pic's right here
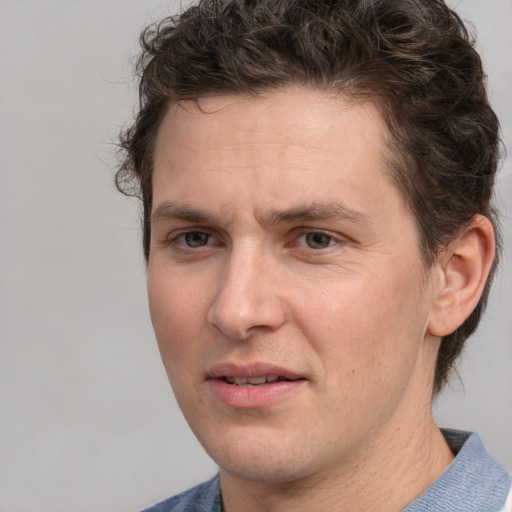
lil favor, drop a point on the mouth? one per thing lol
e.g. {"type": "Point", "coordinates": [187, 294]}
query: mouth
{"type": "Point", "coordinates": [255, 381]}
{"type": "Point", "coordinates": [256, 374]}
{"type": "Point", "coordinates": [253, 386]}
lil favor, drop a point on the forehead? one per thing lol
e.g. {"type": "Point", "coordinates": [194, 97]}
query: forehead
{"type": "Point", "coordinates": [292, 116]}
{"type": "Point", "coordinates": [302, 141]}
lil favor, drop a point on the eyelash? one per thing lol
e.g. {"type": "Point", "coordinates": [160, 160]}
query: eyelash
{"type": "Point", "coordinates": [179, 240]}
{"type": "Point", "coordinates": [184, 246]}
{"type": "Point", "coordinates": [332, 240]}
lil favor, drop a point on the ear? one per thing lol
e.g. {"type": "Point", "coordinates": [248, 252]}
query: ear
{"type": "Point", "coordinates": [461, 271]}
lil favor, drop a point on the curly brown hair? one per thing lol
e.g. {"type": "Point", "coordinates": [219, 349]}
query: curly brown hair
{"type": "Point", "coordinates": [414, 59]}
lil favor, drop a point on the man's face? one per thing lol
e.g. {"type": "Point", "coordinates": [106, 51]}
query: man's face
{"type": "Point", "coordinates": [286, 284]}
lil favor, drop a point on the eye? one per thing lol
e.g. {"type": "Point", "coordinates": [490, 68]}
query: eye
{"type": "Point", "coordinates": [316, 240]}
{"type": "Point", "coordinates": [194, 239]}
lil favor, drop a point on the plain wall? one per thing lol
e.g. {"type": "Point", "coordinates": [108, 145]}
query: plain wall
{"type": "Point", "coordinates": [87, 418]}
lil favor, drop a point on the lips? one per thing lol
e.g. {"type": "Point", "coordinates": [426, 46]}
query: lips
{"type": "Point", "coordinates": [226, 370]}
{"type": "Point", "coordinates": [254, 381]}
{"type": "Point", "coordinates": [253, 386]}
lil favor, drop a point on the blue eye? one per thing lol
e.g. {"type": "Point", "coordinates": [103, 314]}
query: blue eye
{"type": "Point", "coordinates": [194, 239]}
{"type": "Point", "coordinates": [318, 240]}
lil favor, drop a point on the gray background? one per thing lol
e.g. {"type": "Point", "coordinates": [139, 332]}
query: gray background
{"type": "Point", "coordinates": [87, 419]}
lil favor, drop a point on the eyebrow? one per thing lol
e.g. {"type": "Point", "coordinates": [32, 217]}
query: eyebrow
{"type": "Point", "coordinates": [173, 211]}
{"type": "Point", "coordinates": [316, 211]}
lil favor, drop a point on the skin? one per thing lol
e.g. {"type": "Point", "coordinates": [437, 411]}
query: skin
{"type": "Point", "coordinates": [278, 238]}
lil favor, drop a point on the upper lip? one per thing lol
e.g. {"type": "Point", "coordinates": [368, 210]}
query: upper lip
{"type": "Point", "coordinates": [224, 370]}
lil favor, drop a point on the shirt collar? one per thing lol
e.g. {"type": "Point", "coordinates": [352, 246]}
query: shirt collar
{"type": "Point", "coordinates": [473, 481]}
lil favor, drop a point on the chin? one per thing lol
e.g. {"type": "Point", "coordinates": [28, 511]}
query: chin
{"type": "Point", "coordinates": [268, 462]}
{"type": "Point", "coordinates": [270, 472]}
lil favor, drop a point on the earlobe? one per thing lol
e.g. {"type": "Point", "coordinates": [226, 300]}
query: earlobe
{"type": "Point", "coordinates": [462, 271]}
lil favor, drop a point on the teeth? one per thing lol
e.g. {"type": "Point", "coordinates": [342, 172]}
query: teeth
{"type": "Point", "coordinates": [257, 380]}
{"type": "Point", "coordinates": [252, 381]}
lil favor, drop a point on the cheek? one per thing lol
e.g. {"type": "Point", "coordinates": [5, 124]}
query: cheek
{"type": "Point", "coordinates": [368, 349]}
{"type": "Point", "coordinates": [360, 327]}
{"type": "Point", "coordinates": [177, 314]}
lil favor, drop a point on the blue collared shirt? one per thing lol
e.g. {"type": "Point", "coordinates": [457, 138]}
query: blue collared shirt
{"type": "Point", "coordinates": [474, 482]}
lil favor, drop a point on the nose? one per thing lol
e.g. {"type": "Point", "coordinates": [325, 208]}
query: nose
{"type": "Point", "coordinates": [247, 298]}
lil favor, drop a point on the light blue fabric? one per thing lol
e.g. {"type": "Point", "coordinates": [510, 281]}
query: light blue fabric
{"type": "Point", "coordinates": [205, 497]}
{"type": "Point", "coordinates": [474, 482]}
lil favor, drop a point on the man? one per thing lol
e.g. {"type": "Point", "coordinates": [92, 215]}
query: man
{"type": "Point", "coordinates": [317, 181]}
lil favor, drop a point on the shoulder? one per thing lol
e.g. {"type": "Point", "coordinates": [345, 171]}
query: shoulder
{"type": "Point", "coordinates": [205, 497]}
{"type": "Point", "coordinates": [474, 480]}
{"type": "Point", "coordinates": [508, 503]}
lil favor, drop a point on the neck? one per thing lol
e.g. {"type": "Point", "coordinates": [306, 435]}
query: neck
{"type": "Point", "coordinates": [399, 464]}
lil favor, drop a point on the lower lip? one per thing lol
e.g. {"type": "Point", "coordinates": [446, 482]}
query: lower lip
{"type": "Point", "coordinates": [254, 397]}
